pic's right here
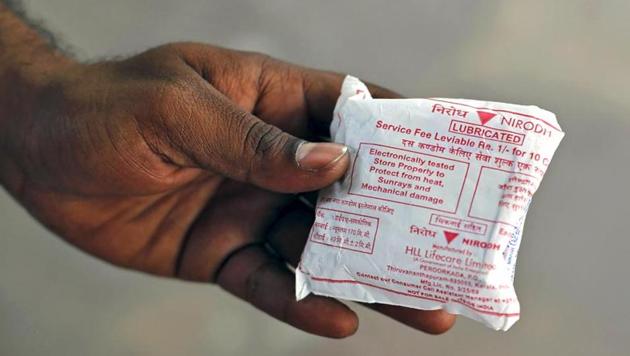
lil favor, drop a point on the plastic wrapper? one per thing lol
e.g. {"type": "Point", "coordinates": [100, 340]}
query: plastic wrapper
{"type": "Point", "coordinates": [431, 211]}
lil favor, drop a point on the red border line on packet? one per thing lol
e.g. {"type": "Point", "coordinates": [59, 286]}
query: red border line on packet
{"type": "Point", "coordinates": [400, 202]}
{"type": "Point", "coordinates": [499, 110]}
{"type": "Point", "coordinates": [350, 281]}
{"type": "Point", "coordinates": [472, 200]}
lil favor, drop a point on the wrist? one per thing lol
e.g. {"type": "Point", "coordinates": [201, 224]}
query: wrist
{"type": "Point", "coordinates": [27, 67]}
{"type": "Point", "coordinates": [27, 62]}
{"type": "Point", "coordinates": [25, 94]}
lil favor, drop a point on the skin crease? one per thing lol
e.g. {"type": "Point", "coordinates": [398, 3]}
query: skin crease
{"type": "Point", "coordinates": [178, 162]}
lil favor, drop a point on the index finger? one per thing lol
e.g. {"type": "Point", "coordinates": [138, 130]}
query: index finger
{"type": "Point", "coordinates": [321, 90]}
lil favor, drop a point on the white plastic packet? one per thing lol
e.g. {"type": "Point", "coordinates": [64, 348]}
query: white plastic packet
{"type": "Point", "coordinates": [431, 211]}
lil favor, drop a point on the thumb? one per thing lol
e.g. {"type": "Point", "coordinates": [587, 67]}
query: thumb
{"type": "Point", "coordinates": [273, 159]}
{"type": "Point", "coordinates": [245, 148]}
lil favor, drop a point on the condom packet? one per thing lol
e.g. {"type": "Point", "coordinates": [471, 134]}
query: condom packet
{"type": "Point", "coordinates": [431, 211]}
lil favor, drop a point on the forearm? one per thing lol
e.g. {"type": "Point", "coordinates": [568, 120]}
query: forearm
{"type": "Point", "coordinates": [26, 58]}
{"type": "Point", "coordinates": [27, 62]}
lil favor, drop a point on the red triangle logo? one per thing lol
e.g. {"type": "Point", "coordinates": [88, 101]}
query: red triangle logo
{"type": "Point", "coordinates": [485, 116]}
{"type": "Point", "coordinates": [450, 236]}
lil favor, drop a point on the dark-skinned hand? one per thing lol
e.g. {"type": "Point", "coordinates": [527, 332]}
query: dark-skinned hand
{"type": "Point", "coordinates": [184, 162]}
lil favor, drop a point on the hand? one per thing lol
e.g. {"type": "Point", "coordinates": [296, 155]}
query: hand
{"type": "Point", "coordinates": [180, 162]}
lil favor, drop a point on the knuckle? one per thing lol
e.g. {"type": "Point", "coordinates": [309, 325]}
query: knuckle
{"type": "Point", "coordinates": [254, 57]}
{"type": "Point", "coordinates": [262, 59]}
{"type": "Point", "coordinates": [263, 142]}
{"type": "Point", "coordinates": [264, 139]}
{"type": "Point", "coordinates": [171, 47]}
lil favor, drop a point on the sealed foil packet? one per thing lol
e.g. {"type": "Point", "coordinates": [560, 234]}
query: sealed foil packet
{"type": "Point", "coordinates": [431, 211]}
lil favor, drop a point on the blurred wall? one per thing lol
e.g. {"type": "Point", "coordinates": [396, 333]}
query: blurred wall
{"type": "Point", "coordinates": [571, 57]}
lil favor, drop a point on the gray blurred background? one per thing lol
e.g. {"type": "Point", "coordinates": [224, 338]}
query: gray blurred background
{"type": "Point", "coordinates": [571, 57]}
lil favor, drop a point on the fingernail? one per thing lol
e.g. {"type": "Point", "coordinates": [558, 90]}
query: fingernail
{"type": "Point", "coordinates": [312, 156]}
